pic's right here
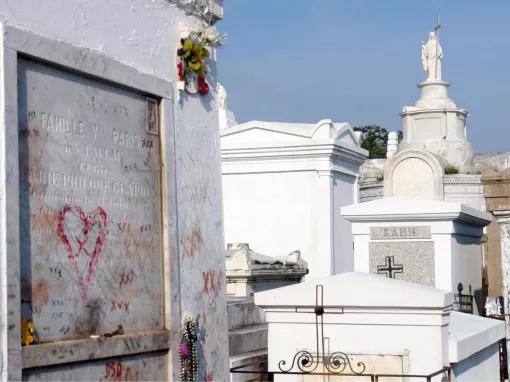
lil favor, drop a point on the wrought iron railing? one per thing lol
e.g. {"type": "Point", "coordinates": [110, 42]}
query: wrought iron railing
{"type": "Point", "coordinates": [267, 375]}
{"type": "Point", "coordinates": [463, 302]}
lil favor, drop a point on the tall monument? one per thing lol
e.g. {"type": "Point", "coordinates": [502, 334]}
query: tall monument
{"type": "Point", "coordinates": [435, 123]}
{"type": "Point", "coordinates": [434, 134]}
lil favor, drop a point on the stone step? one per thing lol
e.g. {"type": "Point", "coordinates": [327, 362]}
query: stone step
{"type": "Point", "coordinates": [247, 339]}
{"type": "Point", "coordinates": [243, 312]}
{"type": "Point", "coordinates": [257, 361]}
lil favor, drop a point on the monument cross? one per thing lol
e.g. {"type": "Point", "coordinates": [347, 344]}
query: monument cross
{"type": "Point", "coordinates": [390, 268]}
{"type": "Point", "coordinates": [436, 30]}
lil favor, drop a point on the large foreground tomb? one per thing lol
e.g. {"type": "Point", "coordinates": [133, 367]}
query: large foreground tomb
{"type": "Point", "coordinates": [105, 245]}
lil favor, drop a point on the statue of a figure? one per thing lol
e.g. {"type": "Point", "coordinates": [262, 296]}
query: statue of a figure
{"type": "Point", "coordinates": [431, 56]}
{"type": "Point", "coordinates": [222, 96]}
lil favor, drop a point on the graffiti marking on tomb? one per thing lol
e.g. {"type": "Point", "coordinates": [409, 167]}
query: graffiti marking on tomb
{"type": "Point", "coordinates": [82, 234]}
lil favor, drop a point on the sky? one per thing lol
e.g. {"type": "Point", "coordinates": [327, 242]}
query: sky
{"type": "Point", "coordinates": [358, 61]}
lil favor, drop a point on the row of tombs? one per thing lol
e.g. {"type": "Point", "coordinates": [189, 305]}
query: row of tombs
{"type": "Point", "coordinates": [109, 258]}
{"type": "Point", "coordinates": [397, 265]}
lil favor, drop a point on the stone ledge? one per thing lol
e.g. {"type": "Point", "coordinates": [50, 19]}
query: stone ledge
{"type": "Point", "coordinates": [463, 179]}
{"type": "Point", "coordinates": [85, 349]}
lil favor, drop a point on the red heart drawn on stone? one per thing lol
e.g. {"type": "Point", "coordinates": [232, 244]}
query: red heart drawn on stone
{"type": "Point", "coordinates": [83, 236]}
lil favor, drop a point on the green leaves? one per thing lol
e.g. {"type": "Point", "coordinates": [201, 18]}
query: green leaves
{"type": "Point", "coordinates": [374, 138]}
{"type": "Point", "coordinates": [188, 44]}
{"type": "Point", "coordinates": [194, 53]}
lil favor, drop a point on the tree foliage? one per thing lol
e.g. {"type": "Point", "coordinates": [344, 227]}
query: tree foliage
{"type": "Point", "coordinates": [374, 138]}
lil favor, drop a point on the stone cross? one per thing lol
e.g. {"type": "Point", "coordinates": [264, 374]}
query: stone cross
{"type": "Point", "coordinates": [390, 268]}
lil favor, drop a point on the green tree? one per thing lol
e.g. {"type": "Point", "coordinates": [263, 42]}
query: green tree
{"type": "Point", "coordinates": [374, 138]}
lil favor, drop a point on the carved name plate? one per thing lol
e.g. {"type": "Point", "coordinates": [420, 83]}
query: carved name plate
{"type": "Point", "coordinates": [400, 232]}
{"type": "Point", "coordinates": [414, 260]}
{"type": "Point", "coordinates": [90, 206]}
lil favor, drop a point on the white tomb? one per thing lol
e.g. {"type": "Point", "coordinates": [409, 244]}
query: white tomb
{"type": "Point", "coordinates": [390, 326]}
{"type": "Point", "coordinates": [430, 242]}
{"type": "Point", "coordinates": [105, 177]}
{"type": "Point", "coordinates": [248, 271]}
{"type": "Point", "coordinates": [283, 186]}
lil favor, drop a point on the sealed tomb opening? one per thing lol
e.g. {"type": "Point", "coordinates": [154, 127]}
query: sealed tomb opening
{"type": "Point", "coordinates": [90, 204]}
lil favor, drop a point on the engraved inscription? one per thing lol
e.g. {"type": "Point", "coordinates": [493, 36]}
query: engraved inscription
{"type": "Point", "coordinates": [401, 232]}
{"type": "Point", "coordinates": [89, 203]}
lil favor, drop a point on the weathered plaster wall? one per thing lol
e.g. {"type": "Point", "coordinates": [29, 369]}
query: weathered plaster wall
{"type": "Point", "coordinates": [250, 202]}
{"type": "Point", "coordinates": [144, 35]}
{"type": "Point", "coordinates": [140, 33]}
{"type": "Point", "coordinates": [497, 195]}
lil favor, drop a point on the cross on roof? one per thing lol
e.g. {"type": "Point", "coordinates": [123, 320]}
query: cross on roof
{"type": "Point", "coordinates": [390, 268]}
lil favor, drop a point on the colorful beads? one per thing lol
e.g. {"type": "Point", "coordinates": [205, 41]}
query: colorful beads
{"type": "Point", "coordinates": [188, 349]}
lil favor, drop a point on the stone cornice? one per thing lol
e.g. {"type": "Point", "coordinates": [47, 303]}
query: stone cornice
{"type": "Point", "coordinates": [415, 111]}
{"type": "Point", "coordinates": [462, 179]}
{"type": "Point", "coordinates": [291, 159]}
{"type": "Point", "coordinates": [210, 11]}
{"type": "Point", "coordinates": [502, 216]}
{"type": "Point", "coordinates": [306, 151]}
{"type": "Point", "coordinates": [449, 216]}
{"type": "Point", "coordinates": [408, 209]}
{"type": "Point", "coordinates": [267, 275]}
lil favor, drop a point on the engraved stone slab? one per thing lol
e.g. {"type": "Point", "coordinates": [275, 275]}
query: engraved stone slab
{"type": "Point", "coordinates": [400, 232]}
{"type": "Point", "coordinates": [414, 178]}
{"type": "Point", "coordinates": [416, 258]}
{"type": "Point", "coordinates": [90, 205]}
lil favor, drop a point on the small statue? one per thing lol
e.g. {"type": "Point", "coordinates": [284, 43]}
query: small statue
{"type": "Point", "coordinates": [432, 54]}
{"type": "Point", "coordinates": [27, 332]}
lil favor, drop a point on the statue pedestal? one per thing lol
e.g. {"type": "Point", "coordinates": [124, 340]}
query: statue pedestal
{"type": "Point", "coordinates": [434, 94]}
{"type": "Point", "coordinates": [435, 124]}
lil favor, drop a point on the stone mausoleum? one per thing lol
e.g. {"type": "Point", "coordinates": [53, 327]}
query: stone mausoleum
{"type": "Point", "coordinates": [106, 169]}
{"type": "Point", "coordinates": [283, 186]}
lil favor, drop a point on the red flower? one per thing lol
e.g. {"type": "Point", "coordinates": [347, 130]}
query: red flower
{"type": "Point", "coordinates": [180, 71]}
{"type": "Point", "coordinates": [203, 87]}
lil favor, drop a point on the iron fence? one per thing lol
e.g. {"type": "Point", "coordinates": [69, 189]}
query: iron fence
{"type": "Point", "coordinates": [269, 375]}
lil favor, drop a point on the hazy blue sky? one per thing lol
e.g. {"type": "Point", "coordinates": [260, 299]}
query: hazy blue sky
{"type": "Point", "coordinates": [359, 61]}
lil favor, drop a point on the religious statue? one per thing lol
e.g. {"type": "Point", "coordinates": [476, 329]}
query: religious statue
{"type": "Point", "coordinates": [431, 56]}
{"type": "Point", "coordinates": [222, 97]}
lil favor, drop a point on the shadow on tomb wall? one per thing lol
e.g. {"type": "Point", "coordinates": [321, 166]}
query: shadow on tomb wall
{"type": "Point", "coordinates": [479, 294]}
{"type": "Point", "coordinates": [24, 203]}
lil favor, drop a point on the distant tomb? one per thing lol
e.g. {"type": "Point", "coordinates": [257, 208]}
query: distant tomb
{"type": "Point", "coordinates": [427, 242]}
{"type": "Point", "coordinates": [285, 182]}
